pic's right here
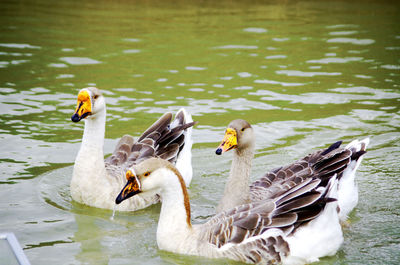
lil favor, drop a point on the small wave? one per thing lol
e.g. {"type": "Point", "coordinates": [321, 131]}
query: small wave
{"type": "Point", "coordinates": [279, 56]}
{"type": "Point", "coordinates": [79, 60]}
{"type": "Point", "coordinates": [272, 82]}
{"type": "Point", "coordinates": [306, 74]}
{"type": "Point", "coordinates": [352, 41]}
{"type": "Point", "coordinates": [390, 66]}
{"type": "Point", "coordinates": [255, 30]}
{"type": "Point", "coordinates": [132, 51]}
{"type": "Point", "coordinates": [58, 65]}
{"type": "Point", "coordinates": [243, 88]}
{"type": "Point", "coordinates": [246, 47]}
{"type": "Point", "coordinates": [196, 89]}
{"type": "Point", "coordinates": [280, 39]}
{"type": "Point", "coordinates": [244, 74]}
{"type": "Point", "coordinates": [131, 40]}
{"type": "Point", "coordinates": [349, 32]}
{"type": "Point", "coordinates": [338, 26]}
{"type": "Point", "coordinates": [336, 60]}
{"type": "Point", "coordinates": [19, 46]}
{"type": "Point", "coordinates": [195, 68]}
{"type": "Point", "coordinates": [61, 76]}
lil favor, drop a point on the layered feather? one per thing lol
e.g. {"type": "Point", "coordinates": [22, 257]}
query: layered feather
{"type": "Point", "coordinates": [322, 164]}
{"type": "Point", "coordinates": [96, 182]}
{"type": "Point", "coordinates": [267, 232]}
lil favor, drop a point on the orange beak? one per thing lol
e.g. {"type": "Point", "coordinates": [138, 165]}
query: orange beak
{"type": "Point", "coordinates": [131, 188]}
{"type": "Point", "coordinates": [83, 108]}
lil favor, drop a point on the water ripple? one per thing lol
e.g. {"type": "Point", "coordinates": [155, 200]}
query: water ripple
{"type": "Point", "coordinates": [243, 88]}
{"type": "Point", "coordinates": [279, 56]}
{"type": "Point", "coordinates": [58, 65]}
{"type": "Point", "coordinates": [16, 54]}
{"type": "Point", "coordinates": [195, 68]}
{"type": "Point", "coordinates": [248, 47]}
{"type": "Point", "coordinates": [352, 41]}
{"type": "Point", "coordinates": [342, 26]}
{"type": "Point", "coordinates": [19, 46]}
{"type": "Point", "coordinates": [346, 96]}
{"type": "Point", "coordinates": [244, 74]}
{"type": "Point", "coordinates": [131, 40]}
{"type": "Point", "coordinates": [255, 30]}
{"type": "Point", "coordinates": [4, 64]}
{"type": "Point", "coordinates": [390, 66]}
{"type": "Point", "coordinates": [350, 32]}
{"type": "Point", "coordinates": [132, 51]}
{"type": "Point", "coordinates": [306, 74]}
{"type": "Point", "coordinates": [79, 60]}
{"type": "Point", "coordinates": [373, 93]}
{"type": "Point", "coordinates": [272, 82]}
{"type": "Point", "coordinates": [336, 60]}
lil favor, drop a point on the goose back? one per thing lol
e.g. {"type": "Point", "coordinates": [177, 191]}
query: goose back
{"type": "Point", "coordinates": [164, 139]}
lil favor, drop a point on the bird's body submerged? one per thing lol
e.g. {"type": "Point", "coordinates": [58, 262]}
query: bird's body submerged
{"type": "Point", "coordinates": [96, 182]}
{"type": "Point", "coordinates": [288, 229]}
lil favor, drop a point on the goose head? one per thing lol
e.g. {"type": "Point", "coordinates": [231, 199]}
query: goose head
{"type": "Point", "coordinates": [239, 135]}
{"type": "Point", "coordinates": [146, 176]}
{"type": "Point", "coordinates": [90, 102]}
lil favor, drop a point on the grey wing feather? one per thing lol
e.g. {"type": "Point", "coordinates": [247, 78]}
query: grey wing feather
{"type": "Point", "coordinates": [121, 151]}
{"type": "Point", "coordinates": [164, 139]}
{"type": "Point", "coordinates": [162, 122]}
{"type": "Point", "coordinates": [322, 164]}
{"type": "Point", "coordinates": [296, 206]}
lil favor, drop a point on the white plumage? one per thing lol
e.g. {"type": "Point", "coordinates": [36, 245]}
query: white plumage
{"type": "Point", "coordinates": [96, 182]}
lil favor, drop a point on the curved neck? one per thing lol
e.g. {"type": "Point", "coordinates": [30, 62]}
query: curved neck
{"type": "Point", "coordinates": [237, 190]}
{"type": "Point", "coordinates": [174, 223]}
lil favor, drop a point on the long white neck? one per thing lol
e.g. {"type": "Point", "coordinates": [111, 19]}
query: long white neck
{"type": "Point", "coordinates": [174, 225]}
{"type": "Point", "coordinates": [93, 135]}
{"type": "Point", "coordinates": [237, 190]}
{"type": "Point", "coordinates": [89, 169]}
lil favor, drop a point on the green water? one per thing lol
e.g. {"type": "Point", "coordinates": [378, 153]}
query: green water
{"type": "Point", "coordinates": [304, 73]}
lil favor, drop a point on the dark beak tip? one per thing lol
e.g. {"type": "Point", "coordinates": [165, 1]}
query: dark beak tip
{"type": "Point", "coordinates": [75, 118]}
{"type": "Point", "coordinates": [218, 151]}
{"type": "Point", "coordinates": [118, 200]}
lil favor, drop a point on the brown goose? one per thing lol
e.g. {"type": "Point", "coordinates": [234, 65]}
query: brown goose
{"type": "Point", "coordinates": [96, 182]}
{"type": "Point", "coordinates": [296, 227]}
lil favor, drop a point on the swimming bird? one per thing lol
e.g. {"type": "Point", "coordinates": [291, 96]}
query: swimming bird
{"type": "Point", "coordinates": [296, 227]}
{"type": "Point", "coordinates": [95, 181]}
{"type": "Point", "coordinates": [239, 136]}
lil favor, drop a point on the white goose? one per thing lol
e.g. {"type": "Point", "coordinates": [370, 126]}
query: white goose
{"type": "Point", "coordinates": [95, 181]}
{"type": "Point", "coordinates": [296, 227]}
{"type": "Point", "coordinates": [326, 162]}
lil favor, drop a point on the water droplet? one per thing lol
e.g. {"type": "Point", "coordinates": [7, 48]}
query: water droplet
{"type": "Point", "coordinates": [113, 214]}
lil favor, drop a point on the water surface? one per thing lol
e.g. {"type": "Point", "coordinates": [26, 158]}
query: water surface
{"type": "Point", "coordinates": [304, 73]}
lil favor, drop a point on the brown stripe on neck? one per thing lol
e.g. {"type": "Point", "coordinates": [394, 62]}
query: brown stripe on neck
{"type": "Point", "coordinates": [185, 193]}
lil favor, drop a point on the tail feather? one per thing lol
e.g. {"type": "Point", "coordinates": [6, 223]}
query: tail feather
{"type": "Point", "coordinates": [184, 160]}
{"type": "Point", "coordinates": [347, 190]}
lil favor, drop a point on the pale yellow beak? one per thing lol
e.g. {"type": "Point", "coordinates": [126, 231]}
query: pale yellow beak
{"type": "Point", "coordinates": [229, 142]}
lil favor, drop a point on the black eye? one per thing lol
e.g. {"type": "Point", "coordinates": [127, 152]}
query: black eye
{"type": "Point", "coordinates": [242, 129]}
{"type": "Point", "coordinates": [96, 96]}
{"type": "Point", "coordinates": [146, 174]}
